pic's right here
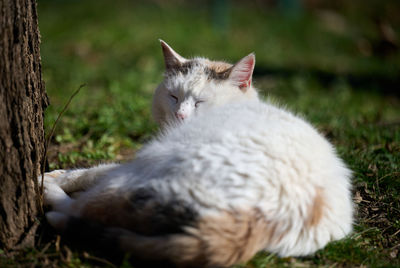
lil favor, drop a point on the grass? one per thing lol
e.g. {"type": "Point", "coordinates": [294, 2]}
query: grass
{"type": "Point", "coordinates": [330, 65]}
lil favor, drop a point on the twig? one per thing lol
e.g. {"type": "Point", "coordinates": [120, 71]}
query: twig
{"type": "Point", "coordinates": [357, 235]}
{"type": "Point", "coordinates": [387, 175]}
{"type": "Point", "coordinates": [49, 138]}
{"type": "Point", "coordinates": [94, 258]}
{"type": "Point", "coordinates": [388, 124]}
{"type": "Point", "coordinates": [398, 231]}
{"type": "Point", "coordinates": [57, 243]}
{"type": "Point", "coordinates": [45, 248]}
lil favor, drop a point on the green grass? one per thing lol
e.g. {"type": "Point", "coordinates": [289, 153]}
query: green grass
{"type": "Point", "coordinates": [329, 67]}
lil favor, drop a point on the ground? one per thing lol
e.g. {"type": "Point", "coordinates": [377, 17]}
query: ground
{"type": "Point", "coordinates": [338, 66]}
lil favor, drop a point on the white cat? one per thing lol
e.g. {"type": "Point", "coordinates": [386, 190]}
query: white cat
{"type": "Point", "coordinates": [191, 84]}
{"type": "Point", "coordinates": [230, 181]}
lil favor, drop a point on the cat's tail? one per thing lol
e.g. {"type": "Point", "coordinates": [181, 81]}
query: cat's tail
{"type": "Point", "coordinates": [220, 240]}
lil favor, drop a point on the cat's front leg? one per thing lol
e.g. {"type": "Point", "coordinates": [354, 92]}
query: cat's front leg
{"type": "Point", "coordinates": [74, 180]}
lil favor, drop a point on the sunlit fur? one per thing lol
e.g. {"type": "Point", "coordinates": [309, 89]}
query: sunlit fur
{"type": "Point", "coordinates": [234, 179]}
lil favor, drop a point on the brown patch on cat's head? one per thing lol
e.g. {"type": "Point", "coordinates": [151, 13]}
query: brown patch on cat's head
{"type": "Point", "coordinates": [215, 70]}
{"type": "Point", "coordinates": [218, 66]}
{"type": "Point", "coordinates": [218, 70]}
{"type": "Point", "coordinates": [316, 210]}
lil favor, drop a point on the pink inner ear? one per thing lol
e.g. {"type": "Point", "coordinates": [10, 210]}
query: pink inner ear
{"type": "Point", "coordinates": [242, 72]}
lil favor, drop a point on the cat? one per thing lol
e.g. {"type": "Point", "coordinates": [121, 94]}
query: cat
{"type": "Point", "coordinates": [193, 84]}
{"type": "Point", "coordinates": [213, 190]}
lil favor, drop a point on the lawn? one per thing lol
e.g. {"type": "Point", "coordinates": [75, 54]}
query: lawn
{"type": "Point", "coordinates": [332, 64]}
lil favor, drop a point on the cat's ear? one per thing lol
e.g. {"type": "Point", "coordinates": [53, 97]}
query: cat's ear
{"type": "Point", "coordinates": [241, 73]}
{"type": "Point", "coordinates": [171, 58]}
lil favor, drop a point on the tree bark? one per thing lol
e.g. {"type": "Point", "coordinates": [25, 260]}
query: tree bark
{"type": "Point", "coordinates": [22, 103]}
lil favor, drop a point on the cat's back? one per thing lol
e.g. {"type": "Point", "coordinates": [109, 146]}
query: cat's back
{"type": "Point", "coordinates": [260, 138]}
{"type": "Point", "coordinates": [247, 121]}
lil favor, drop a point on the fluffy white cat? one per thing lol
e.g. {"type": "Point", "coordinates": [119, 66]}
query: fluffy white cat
{"type": "Point", "coordinates": [232, 180]}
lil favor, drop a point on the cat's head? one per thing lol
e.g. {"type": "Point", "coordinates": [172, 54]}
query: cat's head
{"type": "Point", "coordinates": [191, 85]}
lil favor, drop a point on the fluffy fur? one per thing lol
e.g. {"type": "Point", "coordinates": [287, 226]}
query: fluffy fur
{"type": "Point", "coordinates": [196, 84]}
{"type": "Point", "coordinates": [211, 192]}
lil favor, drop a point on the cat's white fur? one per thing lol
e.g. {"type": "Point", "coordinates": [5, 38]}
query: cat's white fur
{"type": "Point", "coordinates": [190, 85]}
{"type": "Point", "coordinates": [256, 177]}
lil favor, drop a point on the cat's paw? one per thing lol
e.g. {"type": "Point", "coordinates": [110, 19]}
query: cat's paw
{"type": "Point", "coordinates": [55, 173]}
{"type": "Point", "coordinates": [52, 176]}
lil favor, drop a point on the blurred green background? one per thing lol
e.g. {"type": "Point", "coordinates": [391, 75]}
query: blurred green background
{"type": "Point", "coordinates": [112, 46]}
{"type": "Point", "coordinates": [335, 62]}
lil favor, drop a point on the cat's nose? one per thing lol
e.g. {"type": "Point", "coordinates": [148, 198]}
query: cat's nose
{"type": "Point", "coordinates": [180, 116]}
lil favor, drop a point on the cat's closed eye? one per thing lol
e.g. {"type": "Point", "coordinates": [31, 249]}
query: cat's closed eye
{"type": "Point", "coordinates": [175, 98]}
{"type": "Point", "coordinates": [198, 103]}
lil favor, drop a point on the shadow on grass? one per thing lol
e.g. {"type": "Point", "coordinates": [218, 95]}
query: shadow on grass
{"type": "Point", "coordinates": [380, 83]}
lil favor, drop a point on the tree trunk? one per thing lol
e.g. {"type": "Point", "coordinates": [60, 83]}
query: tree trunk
{"type": "Point", "coordinates": [22, 103]}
